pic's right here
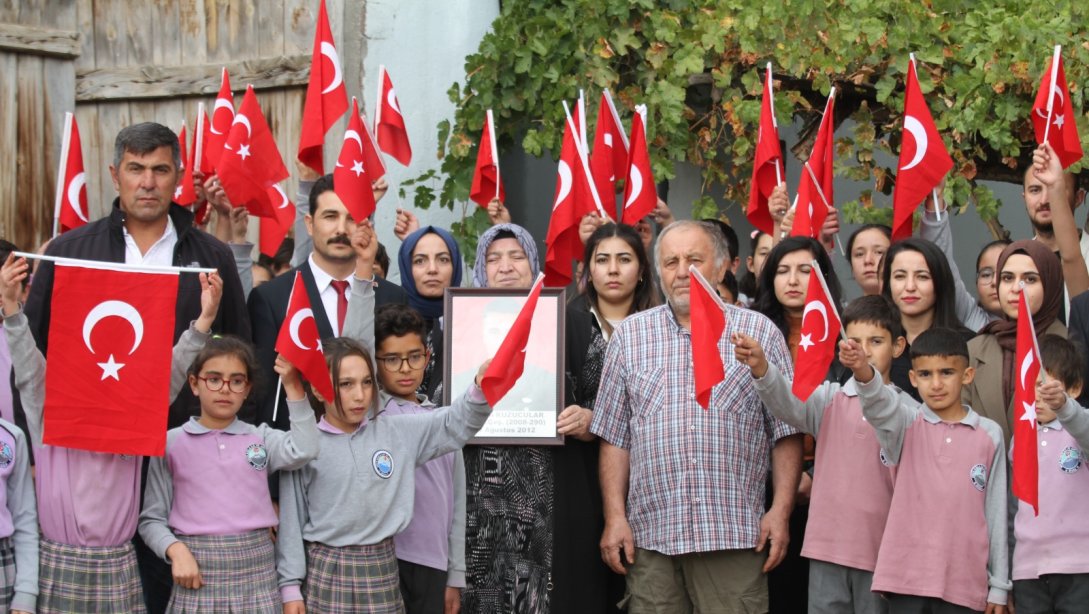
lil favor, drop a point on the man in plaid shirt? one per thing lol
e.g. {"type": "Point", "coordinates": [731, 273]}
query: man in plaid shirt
{"type": "Point", "coordinates": [683, 488]}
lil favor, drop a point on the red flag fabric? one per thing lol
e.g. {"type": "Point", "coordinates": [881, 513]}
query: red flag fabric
{"type": "Point", "coordinates": [921, 167]}
{"type": "Point", "coordinates": [222, 119]}
{"type": "Point", "coordinates": [640, 197]}
{"type": "Point", "coordinates": [815, 189]}
{"type": "Point", "coordinates": [708, 320]}
{"type": "Point", "coordinates": [186, 193]}
{"type": "Point", "coordinates": [510, 359]}
{"type": "Point", "coordinates": [372, 156]}
{"type": "Point", "coordinates": [562, 244]}
{"type": "Point", "coordinates": [107, 388]}
{"type": "Point", "coordinates": [251, 162]}
{"type": "Point", "coordinates": [486, 181]}
{"type": "Point", "coordinates": [389, 124]}
{"type": "Point", "coordinates": [767, 167]}
{"type": "Point", "coordinates": [1063, 133]}
{"type": "Point", "coordinates": [299, 342]}
{"type": "Point", "coordinates": [201, 136]}
{"type": "Point", "coordinates": [819, 335]}
{"type": "Point", "coordinates": [273, 230]}
{"type": "Point", "coordinates": [71, 207]}
{"type": "Point", "coordinates": [326, 96]}
{"type": "Point", "coordinates": [351, 180]}
{"type": "Point", "coordinates": [609, 158]}
{"type": "Point", "coordinates": [1026, 470]}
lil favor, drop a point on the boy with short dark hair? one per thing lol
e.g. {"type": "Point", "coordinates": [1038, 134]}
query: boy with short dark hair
{"type": "Point", "coordinates": [944, 546]}
{"type": "Point", "coordinates": [852, 480]}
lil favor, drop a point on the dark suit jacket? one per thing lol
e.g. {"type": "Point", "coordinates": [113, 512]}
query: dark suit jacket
{"type": "Point", "coordinates": [1078, 319]}
{"type": "Point", "coordinates": [267, 306]}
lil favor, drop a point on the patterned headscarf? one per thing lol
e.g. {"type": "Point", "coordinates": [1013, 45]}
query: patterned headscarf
{"type": "Point", "coordinates": [480, 274]}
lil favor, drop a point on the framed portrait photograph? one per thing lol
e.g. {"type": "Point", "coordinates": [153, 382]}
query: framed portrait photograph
{"type": "Point", "coordinates": [475, 322]}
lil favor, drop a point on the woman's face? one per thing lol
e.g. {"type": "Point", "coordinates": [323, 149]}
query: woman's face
{"type": "Point", "coordinates": [986, 278]}
{"type": "Point", "coordinates": [614, 270]}
{"type": "Point", "coordinates": [759, 255]}
{"type": "Point", "coordinates": [507, 265]}
{"type": "Point", "coordinates": [792, 280]}
{"type": "Point", "coordinates": [355, 386]}
{"type": "Point", "coordinates": [910, 283]}
{"type": "Point", "coordinates": [432, 266]}
{"type": "Point", "coordinates": [866, 253]}
{"type": "Point", "coordinates": [1020, 268]}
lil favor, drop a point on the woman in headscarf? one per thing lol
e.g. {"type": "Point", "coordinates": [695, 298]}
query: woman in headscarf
{"type": "Point", "coordinates": [430, 262]}
{"type": "Point", "coordinates": [1024, 266]}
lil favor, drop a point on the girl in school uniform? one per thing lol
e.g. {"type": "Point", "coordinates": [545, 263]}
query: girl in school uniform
{"type": "Point", "coordinates": [207, 508]}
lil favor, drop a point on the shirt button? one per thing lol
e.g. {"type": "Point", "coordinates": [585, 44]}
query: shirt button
{"type": "Point", "coordinates": [697, 499]}
{"type": "Point", "coordinates": [692, 428]}
{"type": "Point", "coordinates": [222, 447]}
{"type": "Point", "coordinates": [691, 395]}
{"type": "Point", "coordinates": [948, 440]}
{"type": "Point", "coordinates": [1043, 443]}
{"type": "Point", "coordinates": [1046, 429]}
{"type": "Point", "coordinates": [694, 462]}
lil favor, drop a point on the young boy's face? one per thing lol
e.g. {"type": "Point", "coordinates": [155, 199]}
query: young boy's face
{"type": "Point", "coordinates": [877, 343]}
{"type": "Point", "coordinates": [939, 380]}
{"type": "Point", "coordinates": [408, 357]}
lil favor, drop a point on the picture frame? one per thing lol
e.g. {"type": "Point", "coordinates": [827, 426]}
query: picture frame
{"type": "Point", "coordinates": [475, 322]}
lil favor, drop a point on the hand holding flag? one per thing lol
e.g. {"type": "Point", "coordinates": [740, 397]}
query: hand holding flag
{"type": "Point", "coordinates": [767, 168]}
{"type": "Point", "coordinates": [487, 185]}
{"type": "Point", "coordinates": [708, 322]}
{"type": "Point", "coordinates": [1026, 470]}
{"type": "Point", "coordinates": [1053, 115]}
{"type": "Point", "coordinates": [299, 343]}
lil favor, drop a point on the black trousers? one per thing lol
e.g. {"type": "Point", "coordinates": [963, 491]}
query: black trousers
{"type": "Point", "coordinates": [423, 588]}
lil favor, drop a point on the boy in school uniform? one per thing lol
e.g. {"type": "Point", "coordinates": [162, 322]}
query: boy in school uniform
{"type": "Point", "coordinates": [944, 550]}
{"type": "Point", "coordinates": [852, 478]}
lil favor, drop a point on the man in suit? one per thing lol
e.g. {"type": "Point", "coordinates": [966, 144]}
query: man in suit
{"type": "Point", "coordinates": [328, 277]}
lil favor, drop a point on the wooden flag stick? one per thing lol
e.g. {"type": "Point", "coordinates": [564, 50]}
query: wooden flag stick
{"type": "Point", "coordinates": [62, 170]}
{"type": "Point", "coordinates": [198, 138]}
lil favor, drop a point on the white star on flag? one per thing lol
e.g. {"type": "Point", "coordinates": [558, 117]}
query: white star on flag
{"type": "Point", "coordinates": [357, 168]}
{"type": "Point", "coordinates": [1030, 412]}
{"type": "Point", "coordinates": [244, 151]}
{"type": "Point", "coordinates": [110, 368]}
{"type": "Point", "coordinates": [177, 192]}
{"type": "Point", "coordinates": [806, 342]}
{"type": "Point", "coordinates": [1059, 120]}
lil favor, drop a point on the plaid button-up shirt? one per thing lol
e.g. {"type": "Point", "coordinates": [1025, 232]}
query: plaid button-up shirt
{"type": "Point", "coordinates": [697, 477]}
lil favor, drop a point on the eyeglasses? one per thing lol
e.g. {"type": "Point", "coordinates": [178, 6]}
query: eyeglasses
{"type": "Point", "coordinates": [985, 274]}
{"type": "Point", "coordinates": [215, 383]}
{"type": "Point", "coordinates": [393, 362]}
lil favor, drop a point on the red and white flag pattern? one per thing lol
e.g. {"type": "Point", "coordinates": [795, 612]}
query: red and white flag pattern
{"type": "Point", "coordinates": [1026, 463]}
{"type": "Point", "coordinates": [819, 335]}
{"type": "Point", "coordinates": [389, 123]}
{"type": "Point", "coordinates": [767, 168]}
{"type": "Point", "coordinates": [351, 180]}
{"type": "Point", "coordinates": [1053, 115]}
{"type": "Point", "coordinates": [372, 156]}
{"type": "Point", "coordinates": [510, 359]}
{"type": "Point", "coordinates": [922, 166]}
{"type": "Point", "coordinates": [815, 197]}
{"type": "Point", "coordinates": [222, 119]}
{"type": "Point", "coordinates": [609, 158]}
{"type": "Point", "coordinates": [251, 162]}
{"type": "Point", "coordinates": [70, 210]}
{"type": "Point", "coordinates": [326, 96]}
{"type": "Point", "coordinates": [562, 244]}
{"type": "Point", "coordinates": [107, 388]}
{"type": "Point", "coordinates": [640, 196]}
{"type": "Point", "coordinates": [273, 229]}
{"type": "Point", "coordinates": [186, 193]}
{"type": "Point", "coordinates": [708, 319]}
{"type": "Point", "coordinates": [487, 183]}
{"type": "Point", "coordinates": [299, 342]}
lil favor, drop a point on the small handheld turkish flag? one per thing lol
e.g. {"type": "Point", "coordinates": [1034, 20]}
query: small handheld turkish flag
{"type": "Point", "coordinates": [510, 359]}
{"type": "Point", "coordinates": [273, 230]}
{"type": "Point", "coordinates": [71, 201]}
{"type": "Point", "coordinates": [815, 197]}
{"type": "Point", "coordinates": [609, 158]}
{"type": "Point", "coordinates": [389, 123]}
{"type": "Point", "coordinates": [251, 162]}
{"type": "Point", "coordinates": [486, 181]}
{"type": "Point", "coordinates": [767, 167]}
{"type": "Point", "coordinates": [1026, 463]}
{"type": "Point", "coordinates": [222, 118]}
{"type": "Point", "coordinates": [326, 96]}
{"type": "Point", "coordinates": [819, 335]}
{"type": "Point", "coordinates": [708, 318]}
{"type": "Point", "coordinates": [186, 193]}
{"type": "Point", "coordinates": [1053, 116]}
{"type": "Point", "coordinates": [351, 179]}
{"type": "Point", "coordinates": [300, 344]}
{"type": "Point", "coordinates": [562, 243]}
{"type": "Point", "coordinates": [640, 197]}
{"type": "Point", "coordinates": [107, 388]}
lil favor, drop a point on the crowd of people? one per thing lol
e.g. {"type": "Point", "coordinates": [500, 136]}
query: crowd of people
{"type": "Point", "coordinates": [884, 491]}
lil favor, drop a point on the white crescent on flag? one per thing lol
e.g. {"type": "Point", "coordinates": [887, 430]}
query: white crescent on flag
{"type": "Point", "coordinates": [915, 127]}
{"type": "Point", "coordinates": [355, 136]}
{"type": "Point", "coordinates": [221, 103]}
{"type": "Point", "coordinates": [73, 190]}
{"type": "Point", "coordinates": [1026, 364]}
{"type": "Point", "coordinates": [564, 172]}
{"type": "Point", "coordinates": [1055, 91]}
{"type": "Point", "coordinates": [283, 197]}
{"type": "Point", "coordinates": [245, 121]}
{"type": "Point", "coordinates": [391, 99]}
{"type": "Point", "coordinates": [819, 308]}
{"type": "Point", "coordinates": [293, 326]}
{"type": "Point", "coordinates": [120, 309]}
{"type": "Point", "coordinates": [636, 186]}
{"type": "Point", "coordinates": [329, 51]}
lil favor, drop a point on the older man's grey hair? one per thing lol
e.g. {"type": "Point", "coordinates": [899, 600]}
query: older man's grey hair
{"type": "Point", "coordinates": [722, 249]}
{"type": "Point", "coordinates": [142, 139]}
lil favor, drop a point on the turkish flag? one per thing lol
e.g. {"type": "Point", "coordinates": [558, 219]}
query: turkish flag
{"type": "Point", "coordinates": [486, 181]}
{"type": "Point", "coordinates": [107, 388]}
{"type": "Point", "coordinates": [326, 96]}
{"type": "Point", "coordinates": [708, 318]}
{"type": "Point", "coordinates": [767, 167]}
{"type": "Point", "coordinates": [819, 334]}
{"type": "Point", "coordinates": [510, 359]}
{"type": "Point", "coordinates": [562, 244]}
{"type": "Point", "coordinates": [609, 158]}
{"type": "Point", "coordinates": [274, 229]}
{"type": "Point", "coordinates": [71, 205]}
{"type": "Point", "coordinates": [372, 156]}
{"type": "Point", "coordinates": [920, 168]}
{"type": "Point", "coordinates": [389, 123]}
{"type": "Point", "coordinates": [251, 162]}
{"type": "Point", "coordinates": [1026, 470]}
{"type": "Point", "coordinates": [1063, 132]}
{"type": "Point", "coordinates": [351, 182]}
{"type": "Point", "coordinates": [185, 193]}
{"type": "Point", "coordinates": [222, 118]}
{"type": "Point", "coordinates": [815, 197]}
{"type": "Point", "coordinates": [640, 197]}
{"type": "Point", "coordinates": [299, 342]}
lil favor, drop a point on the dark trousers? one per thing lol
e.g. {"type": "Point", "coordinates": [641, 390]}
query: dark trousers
{"type": "Point", "coordinates": [156, 576]}
{"type": "Point", "coordinates": [910, 604]}
{"type": "Point", "coordinates": [1052, 594]}
{"type": "Point", "coordinates": [422, 588]}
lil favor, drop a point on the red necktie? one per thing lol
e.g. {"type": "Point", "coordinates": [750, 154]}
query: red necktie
{"type": "Point", "coordinates": [342, 303]}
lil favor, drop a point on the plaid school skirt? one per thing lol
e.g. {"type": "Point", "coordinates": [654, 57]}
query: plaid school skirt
{"type": "Point", "coordinates": [7, 573]}
{"type": "Point", "coordinates": [239, 574]}
{"type": "Point", "coordinates": [88, 579]}
{"type": "Point", "coordinates": [352, 579]}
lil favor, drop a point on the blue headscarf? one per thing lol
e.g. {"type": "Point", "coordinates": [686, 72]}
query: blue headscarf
{"type": "Point", "coordinates": [428, 307]}
{"type": "Point", "coordinates": [529, 246]}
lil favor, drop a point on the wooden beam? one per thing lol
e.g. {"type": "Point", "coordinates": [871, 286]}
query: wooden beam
{"type": "Point", "coordinates": [138, 82]}
{"type": "Point", "coordinates": [40, 41]}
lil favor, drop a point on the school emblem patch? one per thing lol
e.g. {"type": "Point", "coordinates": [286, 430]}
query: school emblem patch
{"type": "Point", "coordinates": [979, 477]}
{"type": "Point", "coordinates": [884, 458]}
{"type": "Point", "coordinates": [7, 455]}
{"type": "Point", "coordinates": [382, 461]}
{"type": "Point", "coordinates": [257, 456]}
{"type": "Point", "coordinates": [1069, 459]}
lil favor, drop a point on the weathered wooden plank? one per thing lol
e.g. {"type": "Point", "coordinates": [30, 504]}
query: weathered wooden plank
{"type": "Point", "coordinates": [40, 41]}
{"type": "Point", "coordinates": [148, 44]}
{"type": "Point", "coordinates": [61, 14]}
{"type": "Point", "coordinates": [85, 22]}
{"type": "Point", "coordinates": [112, 118]}
{"type": "Point", "coordinates": [127, 83]}
{"type": "Point", "coordinates": [35, 182]}
{"type": "Point", "coordinates": [9, 121]}
{"type": "Point", "coordinates": [191, 25]}
{"type": "Point", "coordinates": [110, 43]}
